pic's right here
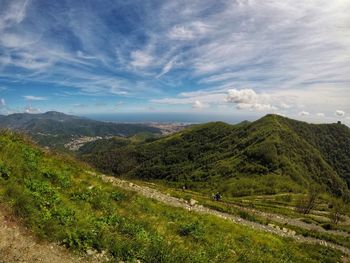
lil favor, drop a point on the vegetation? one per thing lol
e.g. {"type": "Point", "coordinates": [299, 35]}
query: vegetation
{"type": "Point", "coordinates": [338, 209]}
{"type": "Point", "coordinates": [60, 201]}
{"type": "Point", "coordinates": [307, 203]}
{"type": "Point", "coordinates": [54, 129]}
{"type": "Point", "coordinates": [268, 156]}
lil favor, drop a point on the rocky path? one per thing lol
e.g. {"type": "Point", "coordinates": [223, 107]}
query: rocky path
{"type": "Point", "coordinates": [192, 206]}
{"type": "Point", "coordinates": [17, 245]}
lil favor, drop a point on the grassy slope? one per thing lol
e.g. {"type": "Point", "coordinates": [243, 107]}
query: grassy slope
{"type": "Point", "coordinates": [268, 156]}
{"type": "Point", "coordinates": [59, 201]}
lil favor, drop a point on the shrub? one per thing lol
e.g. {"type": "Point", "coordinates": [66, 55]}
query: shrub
{"type": "Point", "coordinates": [194, 229]}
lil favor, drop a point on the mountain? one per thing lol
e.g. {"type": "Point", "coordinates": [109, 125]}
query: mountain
{"type": "Point", "coordinates": [271, 155]}
{"type": "Point", "coordinates": [55, 128]}
{"type": "Point", "coordinates": [62, 201]}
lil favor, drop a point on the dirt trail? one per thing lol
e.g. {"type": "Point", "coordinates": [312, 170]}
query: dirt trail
{"type": "Point", "coordinates": [176, 202]}
{"type": "Point", "coordinates": [17, 245]}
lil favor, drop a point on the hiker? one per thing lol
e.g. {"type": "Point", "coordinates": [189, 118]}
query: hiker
{"type": "Point", "coordinates": [217, 196]}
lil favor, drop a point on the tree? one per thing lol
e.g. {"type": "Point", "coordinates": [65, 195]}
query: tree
{"type": "Point", "coordinates": [338, 210]}
{"type": "Point", "coordinates": [306, 203]}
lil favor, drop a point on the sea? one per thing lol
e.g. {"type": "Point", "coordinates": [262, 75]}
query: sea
{"type": "Point", "coordinates": [189, 118]}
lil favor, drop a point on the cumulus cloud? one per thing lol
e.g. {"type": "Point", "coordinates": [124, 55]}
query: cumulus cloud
{"type": "Point", "coordinates": [244, 96]}
{"type": "Point", "coordinates": [304, 113]}
{"type": "Point", "coordinates": [30, 97]}
{"type": "Point", "coordinates": [320, 114]}
{"type": "Point", "coordinates": [340, 113]}
{"type": "Point", "coordinates": [30, 109]}
{"type": "Point", "coordinates": [248, 99]}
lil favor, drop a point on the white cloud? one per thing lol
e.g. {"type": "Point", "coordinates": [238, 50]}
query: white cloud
{"type": "Point", "coordinates": [167, 67]}
{"type": "Point", "coordinates": [80, 105]}
{"type": "Point", "coordinates": [244, 96]}
{"type": "Point", "coordinates": [340, 113]}
{"type": "Point", "coordinates": [200, 105]}
{"type": "Point", "coordinates": [32, 98]}
{"type": "Point", "coordinates": [284, 105]}
{"type": "Point", "coordinates": [248, 99]}
{"type": "Point", "coordinates": [14, 14]}
{"type": "Point", "coordinates": [2, 103]}
{"type": "Point", "coordinates": [30, 109]}
{"type": "Point", "coordinates": [320, 114]}
{"type": "Point", "coordinates": [298, 53]}
{"type": "Point", "coordinates": [180, 33]}
{"type": "Point", "coordinates": [189, 31]}
{"type": "Point", "coordinates": [140, 59]}
{"type": "Point", "coordinates": [304, 113]}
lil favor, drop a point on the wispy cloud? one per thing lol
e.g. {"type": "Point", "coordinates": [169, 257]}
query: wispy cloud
{"type": "Point", "coordinates": [140, 59]}
{"type": "Point", "coordinates": [294, 55]}
{"type": "Point", "coordinates": [34, 98]}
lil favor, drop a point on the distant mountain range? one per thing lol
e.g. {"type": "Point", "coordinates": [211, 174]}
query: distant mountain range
{"type": "Point", "coordinates": [271, 155]}
{"type": "Point", "coordinates": [55, 128]}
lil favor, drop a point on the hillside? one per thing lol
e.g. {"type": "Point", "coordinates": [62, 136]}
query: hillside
{"type": "Point", "coordinates": [62, 201]}
{"type": "Point", "coordinates": [268, 156]}
{"type": "Point", "coordinates": [54, 129]}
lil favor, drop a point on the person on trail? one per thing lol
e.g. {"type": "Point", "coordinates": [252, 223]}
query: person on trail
{"type": "Point", "coordinates": [217, 196]}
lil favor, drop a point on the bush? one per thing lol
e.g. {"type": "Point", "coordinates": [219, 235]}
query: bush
{"type": "Point", "coordinates": [194, 229]}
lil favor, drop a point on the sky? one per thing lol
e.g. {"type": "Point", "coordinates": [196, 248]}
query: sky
{"type": "Point", "coordinates": [199, 57]}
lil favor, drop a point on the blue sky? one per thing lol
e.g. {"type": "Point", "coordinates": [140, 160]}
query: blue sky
{"type": "Point", "coordinates": [242, 57]}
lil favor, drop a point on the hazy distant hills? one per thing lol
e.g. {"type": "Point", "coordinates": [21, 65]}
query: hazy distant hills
{"type": "Point", "coordinates": [53, 128]}
{"type": "Point", "coordinates": [271, 155]}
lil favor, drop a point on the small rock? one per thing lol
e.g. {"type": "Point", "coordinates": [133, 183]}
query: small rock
{"type": "Point", "coordinates": [285, 230]}
{"type": "Point", "coordinates": [193, 202]}
{"type": "Point", "coordinates": [90, 252]}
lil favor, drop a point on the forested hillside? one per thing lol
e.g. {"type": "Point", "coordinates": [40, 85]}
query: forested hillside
{"type": "Point", "coordinates": [271, 155]}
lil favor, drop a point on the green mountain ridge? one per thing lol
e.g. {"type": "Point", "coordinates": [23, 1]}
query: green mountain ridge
{"type": "Point", "coordinates": [273, 154]}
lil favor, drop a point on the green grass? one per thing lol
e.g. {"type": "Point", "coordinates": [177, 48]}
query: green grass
{"type": "Point", "coordinates": [59, 201]}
